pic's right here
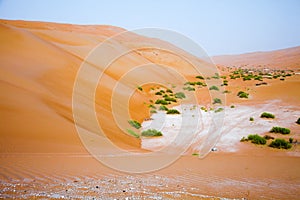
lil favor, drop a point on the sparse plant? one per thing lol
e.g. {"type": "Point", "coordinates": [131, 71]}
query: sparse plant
{"type": "Point", "coordinates": [151, 133]}
{"type": "Point", "coordinates": [280, 144]}
{"type": "Point", "coordinates": [189, 88]}
{"type": "Point", "coordinates": [251, 119]}
{"type": "Point", "coordinates": [169, 91]}
{"type": "Point", "coordinates": [267, 115]}
{"type": "Point", "coordinates": [161, 101]}
{"type": "Point", "coordinates": [256, 139]}
{"type": "Point", "coordinates": [232, 106]}
{"type": "Point", "coordinates": [134, 124]}
{"type": "Point", "coordinates": [133, 133]}
{"type": "Point", "coordinates": [153, 111]}
{"type": "Point", "coordinates": [214, 88]}
{"type": "Point", "coordinates": [200, 77]}
{"type": "Point", "coordinates": [217, 101]}
{"type": "Point", "coordinates": [298, 121]}
{"type": "Point", "coordinates": [173, 111]}
{"type": "Point", "coordinates": [242, 94]}
{"type": "Point", "coordinates": [291, 140]}
{"type": "Point", "coordinates": [219, 110]}
{"type": "Point", "coordinates": [170, 99]}
{"type": "Point", "coordinates": [180, 95]}
{"type": "Point", "coordinates": [277, 129]}
{"type": "Point", "coordinates": [140, 88]}
{"type": "Point", "coordinates": [164, 108]}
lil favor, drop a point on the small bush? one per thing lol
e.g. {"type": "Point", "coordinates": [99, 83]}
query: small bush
{"type": "Point", "coordinates": [214, 88]}
{"type": "Point", "coordinates": [267, 115]}
{"type": "Point", "coordinates": [251, 119]}
{"type": "Point", "coordinates": [280, 144]}
{"type": "Point", "coordinates": [158, 93]}
{"type": "Point", "coordinates": [140, 88]}
{"type": "Point", "coordinates": [298, 121]}
{"type": "Point", "coordinates": [242, 94]}
{"type": "Point", "coordinates": [226, 92]}
{"type": "Point", "coordinates": [152, 106]}
{"type": "Point", "coordinates": [169, 91]}
{"type": "Point", "coordinates": [170, 99]}
{"type": "Point", "coordinates": [164, 108]}
{"type": "Point", "coordinates": [281, 130]}
{"type": "Point", "coordinates": [200, 77]}
{"type": "Point", "coordinates": [189, 88]}
{"type": "Point", "coordinates": [217, 100]}
{"type": "Point", "coordinates": [180, 95]}
{"type": "Point", "coordinates": [173, 111]}
{"type": "Point", "coordinates": [291, 140]}
{"type": "Point", "coordinates": [232, 106]}
{"type": "Point", "coordinates": [151, 133]}
{"type": "Point", "coordinates": [161, 101]}
{"type": "Point", "coordinates": [153, 111]}
{"type": "Point", "coordinates": [256, 139]}
{"type": "Point", "coordinates": [134, 124]}
{"type": "Point", "coordinates": [219, 110]}
{"type": "Point", "coordinates": [134, 134]}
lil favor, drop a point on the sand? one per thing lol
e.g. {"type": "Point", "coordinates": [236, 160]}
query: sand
{"type": "Point", "coordinates": [42, 156]}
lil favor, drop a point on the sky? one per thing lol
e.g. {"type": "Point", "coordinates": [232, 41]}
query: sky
{"type": "Point", "coordinates": [219, 26]}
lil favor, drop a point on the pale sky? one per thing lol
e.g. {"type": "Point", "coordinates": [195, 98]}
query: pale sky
{"type": "Point", "coordinates": [219, 26]}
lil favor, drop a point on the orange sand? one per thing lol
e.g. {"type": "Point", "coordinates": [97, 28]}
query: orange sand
{"type": "Point", "coordinates": [39, 144]}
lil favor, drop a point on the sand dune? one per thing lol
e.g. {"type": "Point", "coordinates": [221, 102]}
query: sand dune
{"type": "Point", "coordinates": [280, 59]}
{"type": "Point", "coordinates": [39, 143]}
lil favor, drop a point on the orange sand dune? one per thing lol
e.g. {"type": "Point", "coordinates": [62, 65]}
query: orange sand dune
{"type": "Point", "coordinates": [41, 155]}
{"type": "Point", "coordinates": [279, 59]}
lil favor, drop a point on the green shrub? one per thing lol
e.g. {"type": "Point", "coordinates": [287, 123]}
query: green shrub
{"type": "Point", "coordinates": [267, 115]}
{"type": "Point", "coordinates": [251, 119]}
{"type": "Point", "coordinates": [189, 88]}
{"type": "Point", "coordinates": [153, 111]}
{"type": "Point", "coordinates": [291, 140]}
{"type": "Point", "coordinates": [140, 88]}
{"type": "Point", "coordinates": [173, 111]}
{"type": "Point", "coordinates": [256, 139]}
{"type": "Point", "coordinates": [226, 91]}
{"type": "Point", "coordinates": [232, 106]}
{"type": "Point", "coordinates": [298, 121]}
{"type": "Point", "coordinates": [164, 108]}
{"type": "Point", "coordinates": [158, 93]}
{"type": "Point", "coordinates": [134, 134]}
{"type": "Point", "coordinates": [280, 144]}
{"type": "Point", "coordinates": [219, 110]}
{"type": "Point", "coordinates": [180, 95]}
{"type": "Point", "coordinates": [200, 77]}
{"type": "Point", "coordinates": [170, 99]}
{"type": "Point", "coordinates": [169, 91]}
{"type": "Point", "coordinates": [152, 106]}
{"type": "Point", "coordinates": [134, 124]}
{"type": "Point", "coordinates": [214, 88]}
{"type": "Point", "coordinates": [242, 94]}
{"type": "Point", "coordinates": [225, 82]}
{"type": "Point", "coordinates": [161, 101]}
{"type": "Point", "coordinates": [217, 100]}
{"type": "Point", "coordinates": [151, 133]}
{"type": "Point", "coordinates": [281, 130]}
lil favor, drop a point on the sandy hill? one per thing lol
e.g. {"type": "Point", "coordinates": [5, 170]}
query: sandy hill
{"type": "Point", "coordinates": [279, 59]}
{"type": "Point", "coordinates": [39, 63]}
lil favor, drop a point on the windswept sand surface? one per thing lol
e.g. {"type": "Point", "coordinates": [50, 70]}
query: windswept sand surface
{"type": "Point", "coordinates": [42, 156]}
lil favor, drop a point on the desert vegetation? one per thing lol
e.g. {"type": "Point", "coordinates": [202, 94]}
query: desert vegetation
{"type": "Point", "coordinates": [134, 124]}
{"type": "Point", "coordinates": [151, 133]}
{"type": "Point", "coordinates": [280, 144]}
{"type": "Point", "coordinates": [242, 94]}
{"type": "Point", "coordinates": [277, 129]}
{"type": "Point", "coordinates": [267, 115]}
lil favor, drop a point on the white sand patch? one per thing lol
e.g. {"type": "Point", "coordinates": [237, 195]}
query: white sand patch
{"type": "Point", "coordinates": [236, 125]}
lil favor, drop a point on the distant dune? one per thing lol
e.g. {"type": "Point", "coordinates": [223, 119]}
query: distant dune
{"type": "Point", "coordinates": [279, 59]}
